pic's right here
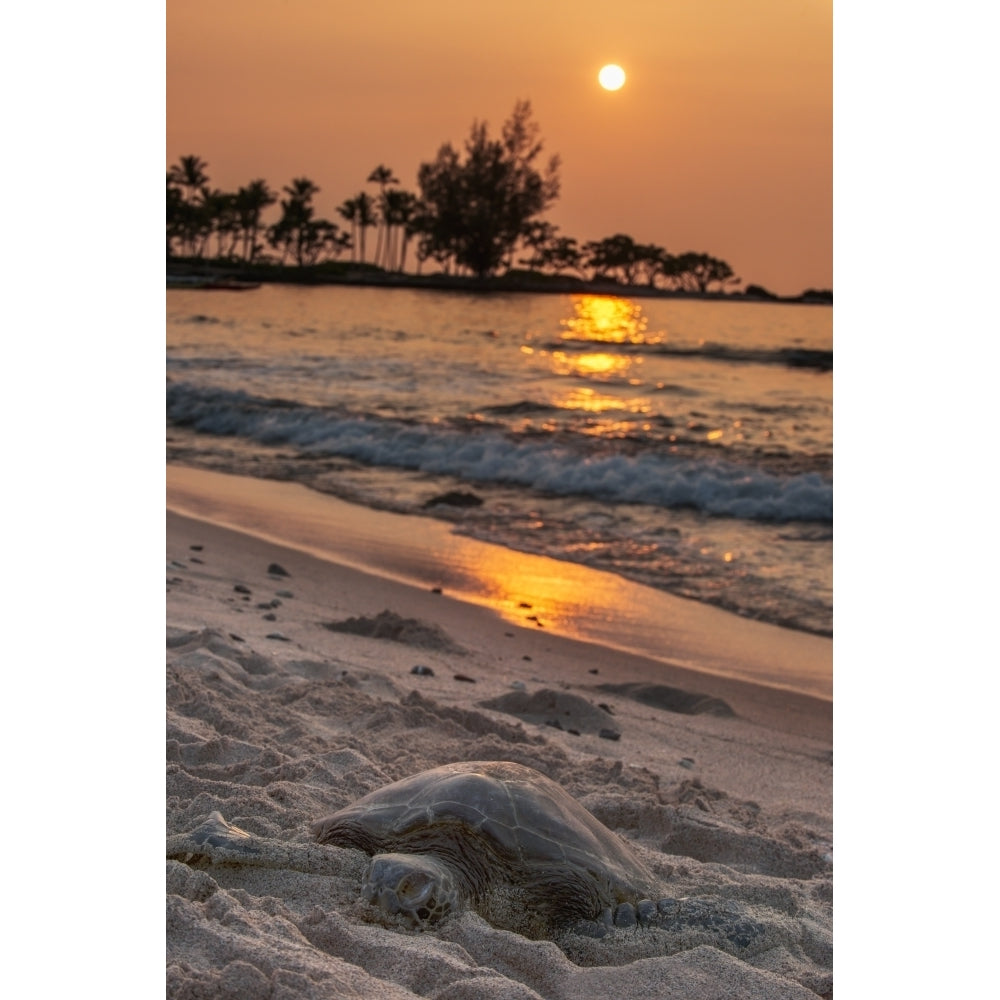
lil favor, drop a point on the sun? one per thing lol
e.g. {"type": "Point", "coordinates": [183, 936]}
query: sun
{"type": "Point", "coordinates": [611, 77]}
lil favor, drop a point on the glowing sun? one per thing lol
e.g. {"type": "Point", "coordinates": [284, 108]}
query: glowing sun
{"type": "Point", "coordinates": [611, 77]}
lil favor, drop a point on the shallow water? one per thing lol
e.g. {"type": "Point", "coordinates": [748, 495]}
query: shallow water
{"type": "Point", "coordinates": [683, 444]}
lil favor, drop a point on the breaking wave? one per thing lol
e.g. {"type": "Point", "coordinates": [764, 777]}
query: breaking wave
{"type": "Point", "coordinates": [569, 465]}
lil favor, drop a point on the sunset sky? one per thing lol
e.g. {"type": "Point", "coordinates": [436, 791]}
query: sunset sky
{"type": "Point", "coordinates": [720, 140]}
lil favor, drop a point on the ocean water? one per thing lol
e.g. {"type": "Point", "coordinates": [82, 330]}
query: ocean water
{"type": "Point", "coordinates": [683, 444]}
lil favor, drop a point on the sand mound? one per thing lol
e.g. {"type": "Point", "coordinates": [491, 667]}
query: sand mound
{"type": "Point", "coordinates": [388, 625]}
{"type": "Point", "coordinates": [671, 699]}
{"type": "Point", "coordinates": [559, 709]}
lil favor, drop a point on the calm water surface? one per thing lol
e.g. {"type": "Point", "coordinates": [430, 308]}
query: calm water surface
{"type": "Point", "coordinates": [683, 444]}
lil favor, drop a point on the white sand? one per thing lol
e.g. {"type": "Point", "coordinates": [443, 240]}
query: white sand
{"type": "Point", "coordinates": [279, 722]}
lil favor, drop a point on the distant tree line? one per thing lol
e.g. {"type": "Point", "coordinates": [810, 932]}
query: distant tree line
{"type": "Point", "coordinates": [478, 211]}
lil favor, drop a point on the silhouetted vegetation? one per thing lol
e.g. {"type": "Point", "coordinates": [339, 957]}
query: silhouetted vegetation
{"type": "Point", "coordinates": [758, 292]}
{"type": "Point", "coordinates": [478, 214]}
{"type": "Point", "coordinates": [477, 207]}
{"type": "Point", "coordinates": [298, 233]}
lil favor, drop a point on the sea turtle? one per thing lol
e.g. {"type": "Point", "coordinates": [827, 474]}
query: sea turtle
{"type": "Point", "coordinates": [509, 842]}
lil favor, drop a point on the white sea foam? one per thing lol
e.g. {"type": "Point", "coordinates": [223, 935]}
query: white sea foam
{"type": "Point", "coordinates": [711, 485]}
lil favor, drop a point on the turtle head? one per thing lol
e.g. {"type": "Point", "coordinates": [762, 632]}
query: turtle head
{"type": "Point", "coordinates": [416, 886]}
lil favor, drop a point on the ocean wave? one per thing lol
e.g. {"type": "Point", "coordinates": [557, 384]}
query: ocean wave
{"type": "Point", "coordinates": [792, 357]}
{"type": "Point", "coordinates": [564, 466]}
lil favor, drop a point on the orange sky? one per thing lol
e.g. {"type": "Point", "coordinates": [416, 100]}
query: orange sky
{"type": "Point", "coordinates": [720, 140]}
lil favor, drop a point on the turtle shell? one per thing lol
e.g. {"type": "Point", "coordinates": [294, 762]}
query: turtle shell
{"type": "Point", "coordinates": [527, 855]}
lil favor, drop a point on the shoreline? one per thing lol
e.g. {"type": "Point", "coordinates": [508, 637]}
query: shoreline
{"type": "Point", "coordinates": [567, 601]}
{"type": "Point", "coordinates": [528, 282]}
{"type": "Point", "coordinates": [321, 583]}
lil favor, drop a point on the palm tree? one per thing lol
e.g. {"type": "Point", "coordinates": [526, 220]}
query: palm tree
{"type": "Point", "coordinates": [349, 212]}
{"type": "Point", "coordinates": [382, 176]}
{"type": "Point", "coordinates": [250, 203]}
{"type": "Point", "coordinates": [366, 217]}
{"type": "Point", "coordinates": [189, 175]}
{"type": "Point", "coordinates": [218, 215]}
{"type": "Point", "coordinates": [296, 231]}
{"type": "Point", "coordinates": [398, 211]}
{"type": "Point", "coordinates": [175, 215]}
{"type": "Point", "coordinates": [407, 216]}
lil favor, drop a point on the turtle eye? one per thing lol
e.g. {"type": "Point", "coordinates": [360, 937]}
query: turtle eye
{"type": "Point", "coordinates": [411, 886]}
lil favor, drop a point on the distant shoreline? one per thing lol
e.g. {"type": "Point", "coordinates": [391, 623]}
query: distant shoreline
{"type": "Point", "coordinates": [348, 273]}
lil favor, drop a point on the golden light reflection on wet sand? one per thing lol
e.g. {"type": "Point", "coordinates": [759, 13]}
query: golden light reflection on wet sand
{"type": "Point", "coordinates": [542, 592]}
{"type": "Point", "coordinates": [525, 590]}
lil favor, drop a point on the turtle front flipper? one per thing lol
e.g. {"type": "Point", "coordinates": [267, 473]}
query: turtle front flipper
{"type": "Point", "coordinates": [217, 843]}
{"type": "Point", "coordinates": [214, 841]}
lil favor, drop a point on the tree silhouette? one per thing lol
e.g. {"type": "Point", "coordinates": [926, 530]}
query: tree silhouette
{"type": "Point", "coordinates": [382, 176]}
{"type": "Point", "coordinates": [697, 271]}
{"type": "Point", "coordinates": [616, 257]}
{"type": "Point", "coordinates": [219, 216]}
{"type": "Point", "coordinates": [189, 175]}
{"type": "Point", "coordinates": [348, 211]}
{"type": "Point", "coordinates": [366, 217]}
{"type": "Point", "coordinates": [398, 209]}
{"type": "Point", "coordinates": [297, 232]}
{"type": "Point", "coordinates": [175, 215]}
{"type": "Point", "coordinates": [549, 251]}
{"type": "Point", "coordinates": [250, 203]}
{"type": "Point", "coordinates": [476, 207]}
{"type": "Point", "coordinates": [649, 261]}
{"type": "Point", "coordinates": [479, 206]}
{"type": "Point", "coordinates": [564, 253]}
{"type": "Point", "coordinates": [360, 212]}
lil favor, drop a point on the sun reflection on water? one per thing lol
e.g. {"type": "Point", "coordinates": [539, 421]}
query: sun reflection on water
{"type": "Point", "coordinates": [590, 401]}
{"type": "Point", "coordinates": [599, 365]}
{"type": "Point", "coordinates": [605, 319]}
{"type": "Point", "coordinates": [610, 323]}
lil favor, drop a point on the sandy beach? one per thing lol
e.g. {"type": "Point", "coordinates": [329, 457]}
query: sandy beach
{"type": "Point", "coordinates": [291, 693]}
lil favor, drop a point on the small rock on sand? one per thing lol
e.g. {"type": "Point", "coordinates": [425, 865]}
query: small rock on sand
{"type": "Point", "coordinates": [454, 498]}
